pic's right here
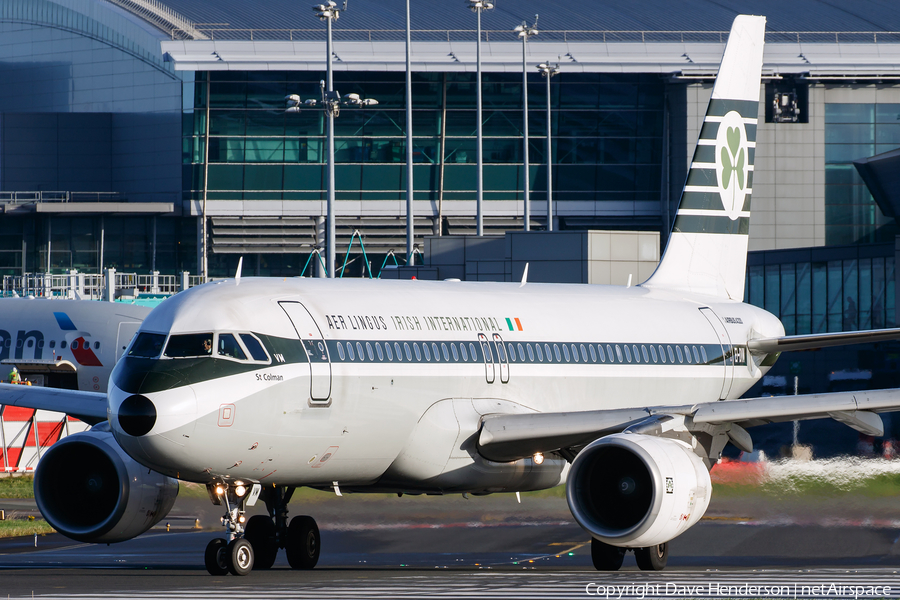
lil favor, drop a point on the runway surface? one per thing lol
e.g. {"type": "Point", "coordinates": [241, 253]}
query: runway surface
{"type": "Point", "coordinates": [515, 560]}
{"type": "Point", "coordinates": [450, 548]}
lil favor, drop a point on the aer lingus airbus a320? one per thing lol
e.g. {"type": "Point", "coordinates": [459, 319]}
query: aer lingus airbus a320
{"type": "Point", "coordinates": [255, 387]}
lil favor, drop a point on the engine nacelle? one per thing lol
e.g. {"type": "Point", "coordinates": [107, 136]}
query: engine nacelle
{"type": "Point", "coordinates": [88, 489]}
{"type": "Point", "coordinates": [634, 491]}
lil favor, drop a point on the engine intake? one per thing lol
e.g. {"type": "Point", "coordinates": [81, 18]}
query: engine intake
{"type": "Point", "coordinates": [635, 490]}
{"type": "Point", "coordinates": [88, 489]}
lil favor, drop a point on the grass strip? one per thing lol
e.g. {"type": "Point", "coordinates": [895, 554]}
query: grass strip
{"type": "Point", "coordinates": [20, 527]}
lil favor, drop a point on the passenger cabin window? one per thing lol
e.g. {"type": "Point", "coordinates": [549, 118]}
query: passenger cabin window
{"type": "Point", "coordinates": [146, 345]}
{"type": "Point", "coordinates": [703, 355]}
{"type": "Point", "coordinates": [378, 351]}
{"type": "Point", "coordinates": [340, 349]}
{"type": "Point", "coordinates": [388, 351]}
{"type": "Point", "coordinates": [455, 352]}
{"type": "Point", "coordinates": [350, 351]}
{"type": "Point", "coordinates": [465, 354]}
{"type": "Point", "coordinates": [256, 349]}
{"type": "Point", "coordinates": [62, 344]}
{"type": "Point", "coordinates": [473, 352]}
{"type": "Point", "coordinates": [53, 343]}
{"type": "Point", "coordinates": [189, 345]}
{"type": "Point", "coordinates": [397, 351]}
{"type": "Point", "coordinates": [228, 346]}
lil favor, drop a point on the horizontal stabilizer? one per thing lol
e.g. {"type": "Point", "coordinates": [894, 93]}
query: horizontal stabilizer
{"type": "Point", "coordinates": [89, 407]}
{"type": "Point", "coordinates": [822, 340]}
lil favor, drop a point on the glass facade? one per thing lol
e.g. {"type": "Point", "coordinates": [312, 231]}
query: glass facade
{"type": "Point", "coordinates": [818, 290]}
{"type": "Point", "coordinates": [607, 137]}
{"type": "Point", "coordinates": [854, 131]}
{"type": "Point", "coordinates": [130, 244]}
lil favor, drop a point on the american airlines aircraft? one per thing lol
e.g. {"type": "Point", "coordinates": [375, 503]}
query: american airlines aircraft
{"type": "Point", "coordinates": [255, 387]}
{"type": "Point", "coordinates": [71, 344]}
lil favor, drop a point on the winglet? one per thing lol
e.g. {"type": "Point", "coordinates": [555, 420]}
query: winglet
{"type": "Point", "coordinates": [237, 274]}
{"type": "Point", "coordinates": [524, 276]}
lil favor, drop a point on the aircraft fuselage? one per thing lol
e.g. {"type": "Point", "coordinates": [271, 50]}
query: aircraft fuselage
{"type": "Point", "coordinates": [378, 385]}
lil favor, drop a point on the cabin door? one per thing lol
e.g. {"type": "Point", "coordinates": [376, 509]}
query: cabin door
{"type": "Point", "coordinates": [316, 351]}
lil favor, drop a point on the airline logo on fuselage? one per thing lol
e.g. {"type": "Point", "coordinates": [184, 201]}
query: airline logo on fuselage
{"type": "Point", "coordinates": [423, 323]}
{"type": "Point", "coordinates": [33, 341]}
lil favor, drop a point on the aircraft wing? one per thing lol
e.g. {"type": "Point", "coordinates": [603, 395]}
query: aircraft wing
{"type": "Point", "coordinates": [505, 438]}
{"type": "Point", "coordinates": [89, 407]}
{"type": "Point", "coordinates": [821, 340]}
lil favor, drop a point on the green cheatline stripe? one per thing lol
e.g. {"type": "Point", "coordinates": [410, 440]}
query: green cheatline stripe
{"type": "Point", "coordinates": [509, 324]}
{"type": "Point", "coordinates": [708, 201]}
{"type": "Point", "coordinates": [707, 154]}
{"type": "Point", "coordinates": [701, 200]}
{"type": "Point", "coordinates": [749, 109]}
{"type": "Point", "coordinates": [709, 131]}
{"type": "Point", "coordinates": [698, 224]}
{"type": "Point", "coordinates": [704, 177]}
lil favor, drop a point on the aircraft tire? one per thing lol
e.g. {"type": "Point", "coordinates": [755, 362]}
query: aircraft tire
{"type": "Point", "coordinates": [303, 543]}
{"type": "Point", "coordinates": [214, 557]}
{"type": "Point", "coordinates": [653, 558]}
{"type": "Point", "coordinates": [260, 532]}
{"type": "Point", "coordinates": [239, 555]}
{"type": "Point", "coordinates": [606, 557]}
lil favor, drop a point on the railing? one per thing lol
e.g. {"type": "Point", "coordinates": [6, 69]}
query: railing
{"type": "Point", "coordinates": [568, 35]}
{"type": "Point", "coordinates": [33, 197]}
{"type": "Point", "coordinates": [92, 286]}
{"type": "Point", "coordinates": [161, 16]}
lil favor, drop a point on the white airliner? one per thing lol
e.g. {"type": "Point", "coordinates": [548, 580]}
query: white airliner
{"type": "Point", "coordinates": [627, 395]}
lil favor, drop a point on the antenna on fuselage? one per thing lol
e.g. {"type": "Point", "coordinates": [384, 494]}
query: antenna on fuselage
{"type": "Point", "coordinates": [237, 274]}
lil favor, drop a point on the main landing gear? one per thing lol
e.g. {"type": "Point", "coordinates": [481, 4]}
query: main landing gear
{"type": "Point", "coordinates": [254, 543]}
{"type": "Point", "coordinates": [609, 558]}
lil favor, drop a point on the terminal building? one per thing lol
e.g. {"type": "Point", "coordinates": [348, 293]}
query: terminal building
{"type": "Point", "coordinates": [125, 123]}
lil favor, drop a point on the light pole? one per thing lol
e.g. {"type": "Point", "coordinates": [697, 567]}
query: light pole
{"type": "Point", "coordinates": [525, 32]}
{"type": "Point", "coordinates": [410, 216]}
{"type": "Point", "coordinates": [329, 12]}
{"type": "Point", "coordinates": [331, 102]}
{"type": "Point", "coordinates": [548, 71]}
{"type": "Point", "coordinates": [477, 6]}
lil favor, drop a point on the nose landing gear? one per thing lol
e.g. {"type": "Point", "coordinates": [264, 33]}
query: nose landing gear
{"type": "Point", "coordinates": [254, 543]}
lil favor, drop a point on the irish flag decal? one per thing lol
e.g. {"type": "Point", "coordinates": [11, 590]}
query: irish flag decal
{"type": "Point", "coordinates": [514, 324]}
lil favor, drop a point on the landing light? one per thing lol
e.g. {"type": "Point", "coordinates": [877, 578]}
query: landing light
{"type": "Point", "coordinates": [538, 458]}
{"type": "Point", "coordinates": [240, 491]}
{"type": "Point", "coordinates": [219, 490]}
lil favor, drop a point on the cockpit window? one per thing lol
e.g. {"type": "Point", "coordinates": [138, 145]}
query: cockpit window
{"type": "Point", "coordinates": [228, 346]}
{"type": "Point", "coordinates": [147, 345]}
{"type": "Point", "coordinates": [252, 344]}
{"type": "Point", "coordinates": [191, 344]}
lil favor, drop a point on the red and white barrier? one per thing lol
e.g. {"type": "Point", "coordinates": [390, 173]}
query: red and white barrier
{"type": "Point", "coordinates": [25, 434]}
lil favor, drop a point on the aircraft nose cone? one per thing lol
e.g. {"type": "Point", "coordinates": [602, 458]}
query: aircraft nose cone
{"type": "Point", "coordinates": [137, 415]}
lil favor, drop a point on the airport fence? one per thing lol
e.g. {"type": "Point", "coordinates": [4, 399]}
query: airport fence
{"type": "Point", "coordinates": [110, 285]}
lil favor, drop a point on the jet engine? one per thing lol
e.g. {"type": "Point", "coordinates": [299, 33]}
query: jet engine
{"type": "Point", "coordinates": [635, 491]}
{"type": "Point", "coordinates": [88, 489]}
